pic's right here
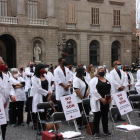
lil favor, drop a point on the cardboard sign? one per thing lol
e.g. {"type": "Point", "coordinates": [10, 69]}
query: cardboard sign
{"type": "Point", "coordinates": [2, 113]}
{"type": "Point", "coordinates": [70, 107]}
{"type": "Point", "coordinates": [122, 102]}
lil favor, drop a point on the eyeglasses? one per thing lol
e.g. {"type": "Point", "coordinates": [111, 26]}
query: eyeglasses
{"type": "Point", "coordinates": [119, 64]}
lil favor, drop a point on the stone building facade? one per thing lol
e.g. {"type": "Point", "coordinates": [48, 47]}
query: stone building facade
{"type": "Point", "coordinates": [96, 31]}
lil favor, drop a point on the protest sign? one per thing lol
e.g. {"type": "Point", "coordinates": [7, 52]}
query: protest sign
{"type": "Point", "coordinates": [70, 107]}
{"type": "Point", "coordinates": [122, 102]}
{"type": "Point", "coordinates": [2, 113]}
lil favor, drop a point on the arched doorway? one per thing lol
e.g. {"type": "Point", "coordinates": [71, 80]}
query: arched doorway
{"type": "Point", "coordinates": [115, 51]}
{"type": "Point", "coordinates": [94, 53]}
{"type": "Point", "coordinates": [71, 50]}
{"type": "Point", "coordinates": [8, 50]}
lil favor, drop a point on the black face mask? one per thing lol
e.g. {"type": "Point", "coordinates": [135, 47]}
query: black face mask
{"type": "Point", "coordinates": [31, 66]}
{"type": "Point", "coordinates": [84, 74]}
{"type": "Point", "coordinates": [64, 63]}
{"type": "Point", "coordinates": [127, 69]}
{"type": "Point", "coordinates": [6, 70]}
{"type": "Point", "coordinates": [21, 69]}
{"type": "Point", "coordinates": [102, 74]}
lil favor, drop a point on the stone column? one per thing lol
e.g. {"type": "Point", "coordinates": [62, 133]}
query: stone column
{"type": "Point", "coordinates": [50, 8]}
{"type": "Point", "coordinates": [20, 7]}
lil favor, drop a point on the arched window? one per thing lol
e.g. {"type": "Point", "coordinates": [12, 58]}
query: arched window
{"type": "Point", "coordinates": [94, 52]}
{"type": "Point", "coordinates": [115, 51]}
{"type": "Point", "coordinates": [71, 50]}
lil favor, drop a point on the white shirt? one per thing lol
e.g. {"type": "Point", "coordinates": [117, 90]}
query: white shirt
{"type": "Point", "coordinates": [138, 75]}
{"type": "Point", "coordinates": [19, 92]}
{"type": "Point", "coordinates": [78, 83]}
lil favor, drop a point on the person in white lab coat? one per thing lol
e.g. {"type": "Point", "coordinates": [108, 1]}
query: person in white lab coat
{"type": "Point", "coordinates": [129, 78]}
{"type": "Point", "coordinates": [6, 91]}
{"type": "Point", "coordinates": [118, 81]}
{"type": "Point", "coordinates": [29, 72]}
{"type": "Point", "coordinates": [40, 84]}
{"type": "Point", "coordinates": [21, 72]}
{"type": "Point", "coordinates": [106, 70]}
{"type": "Point", "coordinates": [99, 88]}
{"type": "Point", "coordinates": [63, 81]}
{"type": "Point", "coordinates": [81, 91]}
{"type": "Point", "coordinates": [138, 73]}
{"type": "Point", "coordinates": [18, 83]}
{"type": "Point", "coordinates": [6, 71]}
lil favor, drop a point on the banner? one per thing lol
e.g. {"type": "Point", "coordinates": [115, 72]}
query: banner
{"type": "Point", "coordinates": [2, 113]}
{"type": "Point", "coordinates": [122, 102]}
{"type": "Point", "coordinates": [70, 107]}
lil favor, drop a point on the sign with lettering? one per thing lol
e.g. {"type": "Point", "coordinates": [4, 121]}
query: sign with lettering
{"type": "Point", "coordinates": [2, 113]}
{"type": "Point", "coordinates": [70, 107]}
{"type": "Point", "coordinates": [122, 102]}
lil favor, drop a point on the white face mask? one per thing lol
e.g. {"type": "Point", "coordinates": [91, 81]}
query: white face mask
{"type": "Point", "coordinates": [16, 76]}
{"type": "Point", "coordinates": [47, 69]}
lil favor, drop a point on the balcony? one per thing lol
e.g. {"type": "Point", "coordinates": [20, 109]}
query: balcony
{"type": "Point", "coordinates": [8, 20]}
{"type": "Point", "coordinates": [38, 22]}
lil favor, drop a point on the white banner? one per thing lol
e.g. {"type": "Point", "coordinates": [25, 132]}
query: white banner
{"type": "Point", "coordinates": [2, 113]}
{"type": "Point", "coordinates": [122, 102]}
{"type": "Point", "coordinates": [70, 107]}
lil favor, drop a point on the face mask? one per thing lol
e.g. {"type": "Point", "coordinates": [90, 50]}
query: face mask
{"type": "Point", "coordinates": [43, 71]}
{"type": "Point", "coordinates": [16, 76]}
{"type": "Point", "coordinates": [126, 69]}
{"type": "Point", "coordinates": [84, 74]}
{"type": "Point", "coordinates": [2, 67]}
{"type": "Point", "coordinates": [102, 74]}
{"type": "Point", "coordinates": [119, 67]}
{"type": "Point", "coordinates": [21, 69]}
{"type": "Point", "coordinates": [64, 63]}
{"type": "Point", "coordinates": [31, 66]}
{"type": "Point", "coordinates": [47, 69]}
{"type": "Point", "coordinates": [104, 66]}
{"type": "Point", "coordinates": [6, 70]}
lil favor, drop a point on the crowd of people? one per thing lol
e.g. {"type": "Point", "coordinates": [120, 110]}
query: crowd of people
{"type": "Point", "coordinates": [41, 82]}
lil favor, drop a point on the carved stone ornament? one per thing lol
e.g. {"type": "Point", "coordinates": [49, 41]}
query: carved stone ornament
{"type": "Point", "coordinates": [96, 37]}
{"type": "Point", "coordinates": [116, 2]}
{"type": "Point", "coordinates": [119, 38]}
{"type": "Point", "coordinates": [98, 1]}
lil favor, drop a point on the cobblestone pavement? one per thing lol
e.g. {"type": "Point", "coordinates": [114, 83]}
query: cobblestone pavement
{"type": "Point", "coordinates": [26, 133]}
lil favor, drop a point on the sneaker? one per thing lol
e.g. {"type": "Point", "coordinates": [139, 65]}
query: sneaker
{"type": "Point", "coordinates": [97, 136]}
{"type": "Point", "coordinates": [107, 134]}
{"type": "Point", "coordinates": [13, 125]}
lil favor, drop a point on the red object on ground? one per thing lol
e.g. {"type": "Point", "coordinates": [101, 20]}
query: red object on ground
{"type": "Point", "coordinates": [51, 136]}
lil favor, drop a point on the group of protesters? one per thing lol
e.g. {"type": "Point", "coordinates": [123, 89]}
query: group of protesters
{"type": "Point", "coordinates": [41, 81]}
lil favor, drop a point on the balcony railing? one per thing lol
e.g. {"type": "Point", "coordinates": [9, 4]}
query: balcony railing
{"type": "Point", "coordinates": [8, 20]}
{"type": "Point", "coordinates": [42, 22]}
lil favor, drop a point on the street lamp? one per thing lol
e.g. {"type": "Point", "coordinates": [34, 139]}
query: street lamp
{"type": "Point", "coordinates": [58, 45]}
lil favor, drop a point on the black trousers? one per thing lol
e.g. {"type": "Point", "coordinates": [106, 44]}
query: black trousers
{"type": "Point", "coordinates": [59, 106]}
{"type": "Point", "coordinates": [13, 106]}
{"type": "Point", "coordinates": [3, 128]}
{"type": "Point", "coordinates": [97, 116]}
{"type": "Point", "coordinates": [87, 109]}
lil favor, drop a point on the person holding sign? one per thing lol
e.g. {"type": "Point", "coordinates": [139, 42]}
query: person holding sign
{"type": "Point", "coordinates": [118, 81]}
{"type": "Point", "coordinates": [100, 100]}
{"type": "Point", "coordinates": [81, 91]}
{"type": "Point", "coordinates": [6, 91]}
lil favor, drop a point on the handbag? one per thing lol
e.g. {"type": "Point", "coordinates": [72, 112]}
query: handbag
{"type": "Point", "coordinates": [51, 126]}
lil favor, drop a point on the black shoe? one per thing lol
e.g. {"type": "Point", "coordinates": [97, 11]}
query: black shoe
{"type": "Point", "coordinates": [107, 134]}
{"type": "Point", "coordinates": [120, 119]}
{"type": "Point", "coordinates": [96, 136]}
{"type": "Point", "coordinates": [38, 132]}
{"type": "Point", "coordinates": [79, 127]}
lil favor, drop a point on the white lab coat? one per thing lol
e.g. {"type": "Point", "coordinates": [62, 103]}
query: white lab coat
{"type": "Point", "coordinates": [24, 75]}
{"type": "Point", "coordinates": [131, 82]}
{"type": "Point", "coordinates": [117, 82]}
{"type": "Point", "coordinates": [95, 96]}
{"type": "Point", "coordinates": [39, 93]}
{"type": "Point", "coordinates": [50, 78]}
{"type": "Point", "coordinates": [19, 92]}
{"type": "Point", "coordinates": [6, 90]}
{"type": "Point", "coordinates": [60, 78]}
{"type": "Point", "coordinates": [138, 75]}
{"type": "Point", "coordinates": [28, 79]}
{"type": "Point", "coordinates": [137, 85]}
{"type": "Point", "coordinates": [78, 83]}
